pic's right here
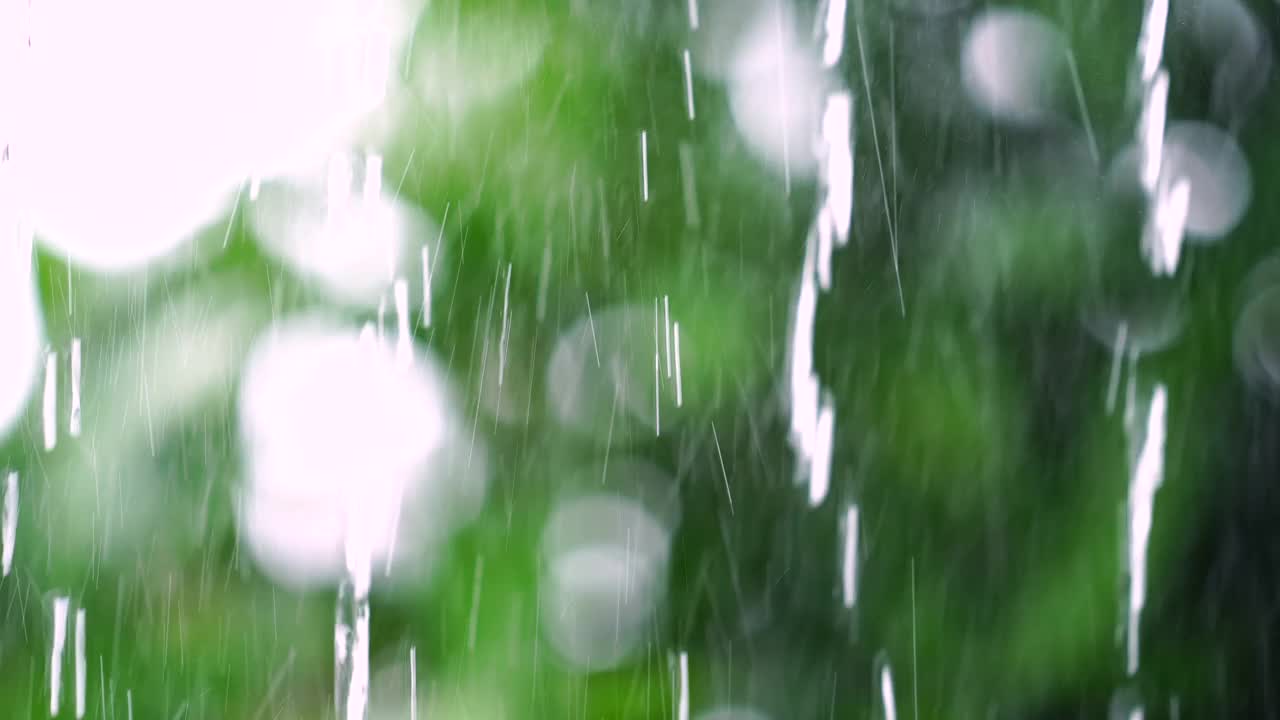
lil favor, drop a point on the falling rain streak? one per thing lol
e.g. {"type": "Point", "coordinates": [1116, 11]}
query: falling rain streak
{"type": "Point", "coordinates": [8, 523]}
{"type": "Point", "coordinates": [688, 83]}
{"type": "Point", "coordinates": [849, 565]}
{"type": "Point", "coordinates": [80, 663]}
{"type": "Point", "coordinates": [1168, 197]}
{"type": "Point", "coordinates": [679, 663]}
{"type": "Point", "coordinates": [644, 164]}
{"type": "Point", "coordinates": [1148, 475]}
{"type": "Point", "coordinates": [61, 605]}
{"type": "Point", "coordinates": [812, 409]}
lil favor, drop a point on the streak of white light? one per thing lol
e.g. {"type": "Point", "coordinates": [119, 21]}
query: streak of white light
{"type": "Point", "coordinates": [1147, 478]}
{"type": "Point", "coordinates": [80, 663]}
{"type": "Point", "coordinates": [693, 14]}
{"type": "Point", "coordinates": [359, 570]}
{"type": "Point", "coordinates": [506, 328]}
{"type": "Point", "coordinates": [824, 229]}
{"type": "Point", "coordinates": [9, 523]}
{"type": "Point", "coordinates": [255, 187]}
{"type": "Point", "coordinates": [837, 136]}
{"type": "Point", "coordinates": [61, 604]}
{"type": "Point", "coordinates": [688, 84]}
{"type": "Point", "coordinates": [849, 574]}
{"type": "Point", "coordinates": [682, 704]}
{"type": "Point", "coordinates": [820, 470]}
{"type": "Point", "coordinates": [679, 384]}
{"type": "Point", "coordinates": [1151, 130]}
{"type": "Point", "coordinates": [413, 683]}
{"type": "Point", "coordinates": [804, 384]}
{"type": "Point", "coordinates": [886, 693]}
{"type": "Point", "coordinates": [1117, 359]}
{"type": "Point", "coordinates": [591, 323]}
{"type": "Point", "coordinates": [1170, 222]}
{"type": "Point", "coordinates": [644, 164]}
{"type": "Point", "coordinates": [1151, 40]}
{"type": "Point", "coordinates": [75, 388]}
{"type": "Point", "coordinates": [50, 405]}
{"type": "Point", "coordinates": [723, 473]}
{"type": "Point", "coordinates": [835, 21]}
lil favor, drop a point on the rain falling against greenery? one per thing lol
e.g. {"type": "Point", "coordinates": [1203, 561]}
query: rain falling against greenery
{"type": "Point", "coordinates": [679, 359]}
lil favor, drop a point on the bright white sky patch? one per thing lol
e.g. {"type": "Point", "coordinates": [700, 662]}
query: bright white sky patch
{"type": "Point", "coordinates": [141, 118]}
{"type": "Point", "coordinates": [21, 328]}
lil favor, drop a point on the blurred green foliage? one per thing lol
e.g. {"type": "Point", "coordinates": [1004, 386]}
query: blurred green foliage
{"type": "Point", "coordinates": [972, 431]}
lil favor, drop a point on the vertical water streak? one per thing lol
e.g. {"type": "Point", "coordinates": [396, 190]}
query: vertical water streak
{"type": "Point", "coordinates": [644, 164]}
{"type": "Point", "coordinates": [886, 693]}
{"type": "Point", "coordinates": [80, 664]}
{"type": "Point", "coordinates": [351, 626]}
{"type": "Point", "coordinates": [679, 382]}
{"type": "Point", "coordinates": [1167, 198]}
{"type": "Point", "coordinates": [1148, 475]}
{"type": "Point", "coordinates": [413, 683]}
{"type": "Point", "coordinates": [813, 412]}
{"type": "Point", "coordinates": [9, 523]}
{"type": "Point", "coordinates": [1167, 202]}
{"type": "Point", "coordinates": [688, 84]}
{"type": "Point", "coordinates": [849, 566]}
{"type": "Point", "coordinates": [682, 686]}
{"type": "Point", "coordinates": [61, 604]}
